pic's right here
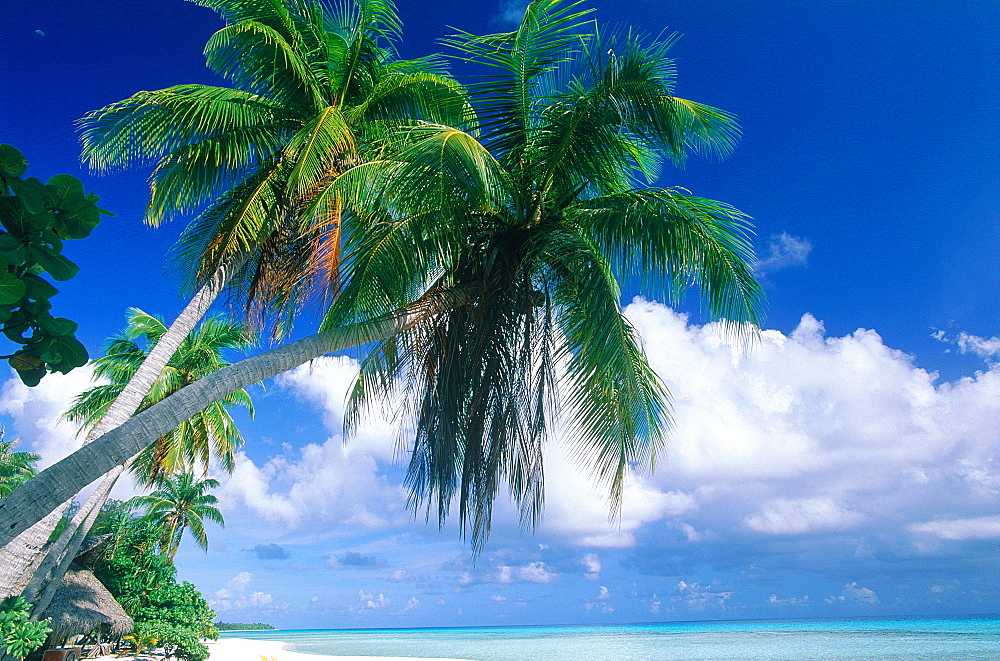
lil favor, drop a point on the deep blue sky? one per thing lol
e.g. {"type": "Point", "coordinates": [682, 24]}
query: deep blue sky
{"type": "Point", "coordinates": [870, 133]}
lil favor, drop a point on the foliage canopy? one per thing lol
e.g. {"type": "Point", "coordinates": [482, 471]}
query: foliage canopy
{"type": "Point", "coordinates": [36, 218]}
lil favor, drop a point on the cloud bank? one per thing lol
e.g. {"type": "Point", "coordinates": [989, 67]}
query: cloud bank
{"type": "Point", "coordinates": [805, 465]}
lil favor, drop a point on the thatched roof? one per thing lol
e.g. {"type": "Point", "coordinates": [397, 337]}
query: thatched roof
{"type": "Point", "coordinates": [82, 604]}
{"type": "Point", "coordinates": [91, 551]}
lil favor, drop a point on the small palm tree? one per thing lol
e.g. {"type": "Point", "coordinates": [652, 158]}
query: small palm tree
{"type": "Point", "coordinates": [210, 432]}
{"type": "Point", "coordinates": [181, 504]}
{"type": "Point", "coordinates": [15, 467]}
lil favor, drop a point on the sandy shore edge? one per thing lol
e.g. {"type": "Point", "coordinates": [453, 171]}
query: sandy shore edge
{"type": "Point", "coordinates": [242, 649]}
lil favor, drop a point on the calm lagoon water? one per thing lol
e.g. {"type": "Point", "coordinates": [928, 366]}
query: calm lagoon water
{"type": "Point", "coordinates": [843, 640]}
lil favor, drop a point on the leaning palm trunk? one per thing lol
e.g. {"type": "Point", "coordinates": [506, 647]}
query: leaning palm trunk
{"type": "Point", "coordinates": [18, 556]}
{"type": "Point", "coordinates": [36, 498]}
{"type": "Point", "coordinates": [54, 567]}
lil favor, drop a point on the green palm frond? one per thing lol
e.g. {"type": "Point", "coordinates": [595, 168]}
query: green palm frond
{"type": "Point", "coordinates": [618, 404]}
{"type": "Point", "coordinates": [192, 175]}
{"type": "Point", "coordinates": [150, 125]}
{"type": "Point", "coordinates": [260, 60]}
{"type": "Point", "coordinates": [315, 149]}
{"type": "Point", "coordinates": [272, 13]}
{"type": "Point", "coordinates": [15, 467]}
{"type": "Point", "coordinates": [231, 227]}
{"type": "Point", "coordinates": [669, 240]}
{"type": "Point", "coordinates": [407, 97]}
{"type": "Point", "coordinates": [211, 432]}
{"type": "Point", "coordinates": [507, 102]}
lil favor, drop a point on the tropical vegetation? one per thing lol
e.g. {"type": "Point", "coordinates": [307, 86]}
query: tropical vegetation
{"type": "Point", "coordinates": [36, 218]}
{"type": "Point", "coordinates": [209, 433]}
{"type": "Point", "coordinates": [182, 503]}
{"type": "Point", "coordinates": [168, 614]}
{"type": "Point", "coordinates": [315, 88]}
{"type": "Point", "coordinates": [190, 445]}
{"type": "Point", "coordinates": [243, 626]}
{"type": "Point", "coordinates": [483, 258]}
{"type": "Point", "coordinates": [537, 214]}
{"type": "Point", "coordinates": [19, 636]}
{"type": "Point", "coordinates": [15, 467]}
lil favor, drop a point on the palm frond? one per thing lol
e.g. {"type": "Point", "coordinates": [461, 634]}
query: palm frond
{"type": "Point", "coordinates": [149, 125]}
{"type": "Point", "coordinates": [670, 240]}
{"type": "Point", "coordinates": [618, 405]}
{"type": "Point", "coordinates": [260, 60]}
{"type": "Point", "coordinates": [507, 103]}
{"type": "Point", "coordinates": [194, 174]}
{"type": "Point", "coordinates": [315, 149]}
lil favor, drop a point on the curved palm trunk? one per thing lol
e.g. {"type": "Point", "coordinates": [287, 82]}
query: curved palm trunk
{"type": "Point", "coordinates": [22, 556]}
{"type": "Point", "coordinates": [73, 543]}
{"type": "Point", "coordinates": [37, 497]}
{"type": "Point", "coordinates": [18, 555]}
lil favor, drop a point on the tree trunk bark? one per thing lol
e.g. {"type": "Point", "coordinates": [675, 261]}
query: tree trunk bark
{"type": "Point", "coordinates": [19, 555]}
{"type": "Point", "coordinates": [33, 500]}
{"type": "Point", "coordinates": [57, 561]}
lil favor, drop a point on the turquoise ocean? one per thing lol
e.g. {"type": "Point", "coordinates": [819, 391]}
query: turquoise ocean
{"type": "Point", "coordinates": [844, 640]}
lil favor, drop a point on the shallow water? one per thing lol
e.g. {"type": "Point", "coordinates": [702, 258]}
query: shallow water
{"type": "Point", "coordinates": [843, 640]}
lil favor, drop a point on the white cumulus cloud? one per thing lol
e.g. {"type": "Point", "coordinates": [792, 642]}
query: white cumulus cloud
{"type": "Point", "coordinates": [787, 517]}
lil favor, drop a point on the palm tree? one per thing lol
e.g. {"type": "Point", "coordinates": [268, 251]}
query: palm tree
{"type": "Point", "coordinates": [181, 503]}
{"type": "Point", "coordinates": [315, 87]}
{"type": "Point", "coordinates": [210, 432]}
{"type": "Point", "coordinates": [539, 217]}
{"type": "Point", "coordinates": [15, 467]}
{"type": "Point", "coordinates": [503, 254]}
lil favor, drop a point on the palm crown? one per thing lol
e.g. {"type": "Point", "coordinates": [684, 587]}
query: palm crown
{"type": "Point", "coordinates": [15, 467]}
{"type": "Point", "coordinates": [315, 86]}
{"type": "Point", "coordinates": [211, 432]}
{"type": "Point", "coordinates": [535, 217]}
{"type": "Point", "coordinates": [181, 503]}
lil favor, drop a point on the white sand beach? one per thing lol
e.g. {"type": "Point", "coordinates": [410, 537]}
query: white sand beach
{"type": "Point", "coordinates": [239, 649]}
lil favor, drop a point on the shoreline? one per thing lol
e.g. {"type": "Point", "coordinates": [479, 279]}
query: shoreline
{"type": "Point", "coordinates": [245, 649]}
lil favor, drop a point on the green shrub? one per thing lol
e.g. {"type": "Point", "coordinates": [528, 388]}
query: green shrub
{"type": "Point", "coordinates": [19, 636]}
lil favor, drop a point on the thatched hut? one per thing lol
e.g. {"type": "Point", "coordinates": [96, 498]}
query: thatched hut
{"type": "Point", "coordinates": [82, 605]}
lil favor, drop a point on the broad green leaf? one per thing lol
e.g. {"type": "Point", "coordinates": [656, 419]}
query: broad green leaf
{"type": "Point", "coordinates": [12, 214]}
{"type": "Point", "coordinates": [66, 186]}
{"type": "Point", "coordinates": [57, 326]}
{"type": "Point", "coordinates": [9, 242]}
{"type": "Point", "coordinates": [39, 221]}
{"type": "Point", "coordinates": [32, 377]}
{"type": "Point", "coordinates": [12, 288]}
{"type": "Point", "coordinates": [12, 161]}
{"type": "Point", "coordinates": [38, 288]}
{"type": "Point", "coordinates": [58, 266]}
{"type": "Point", "coordinates": [32, 193]}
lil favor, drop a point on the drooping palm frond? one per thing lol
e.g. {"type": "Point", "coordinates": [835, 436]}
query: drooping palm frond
{"type": "Point", "coordinates": [669, 240]}
{"type": "Point", "coordinates": [539, 219]}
